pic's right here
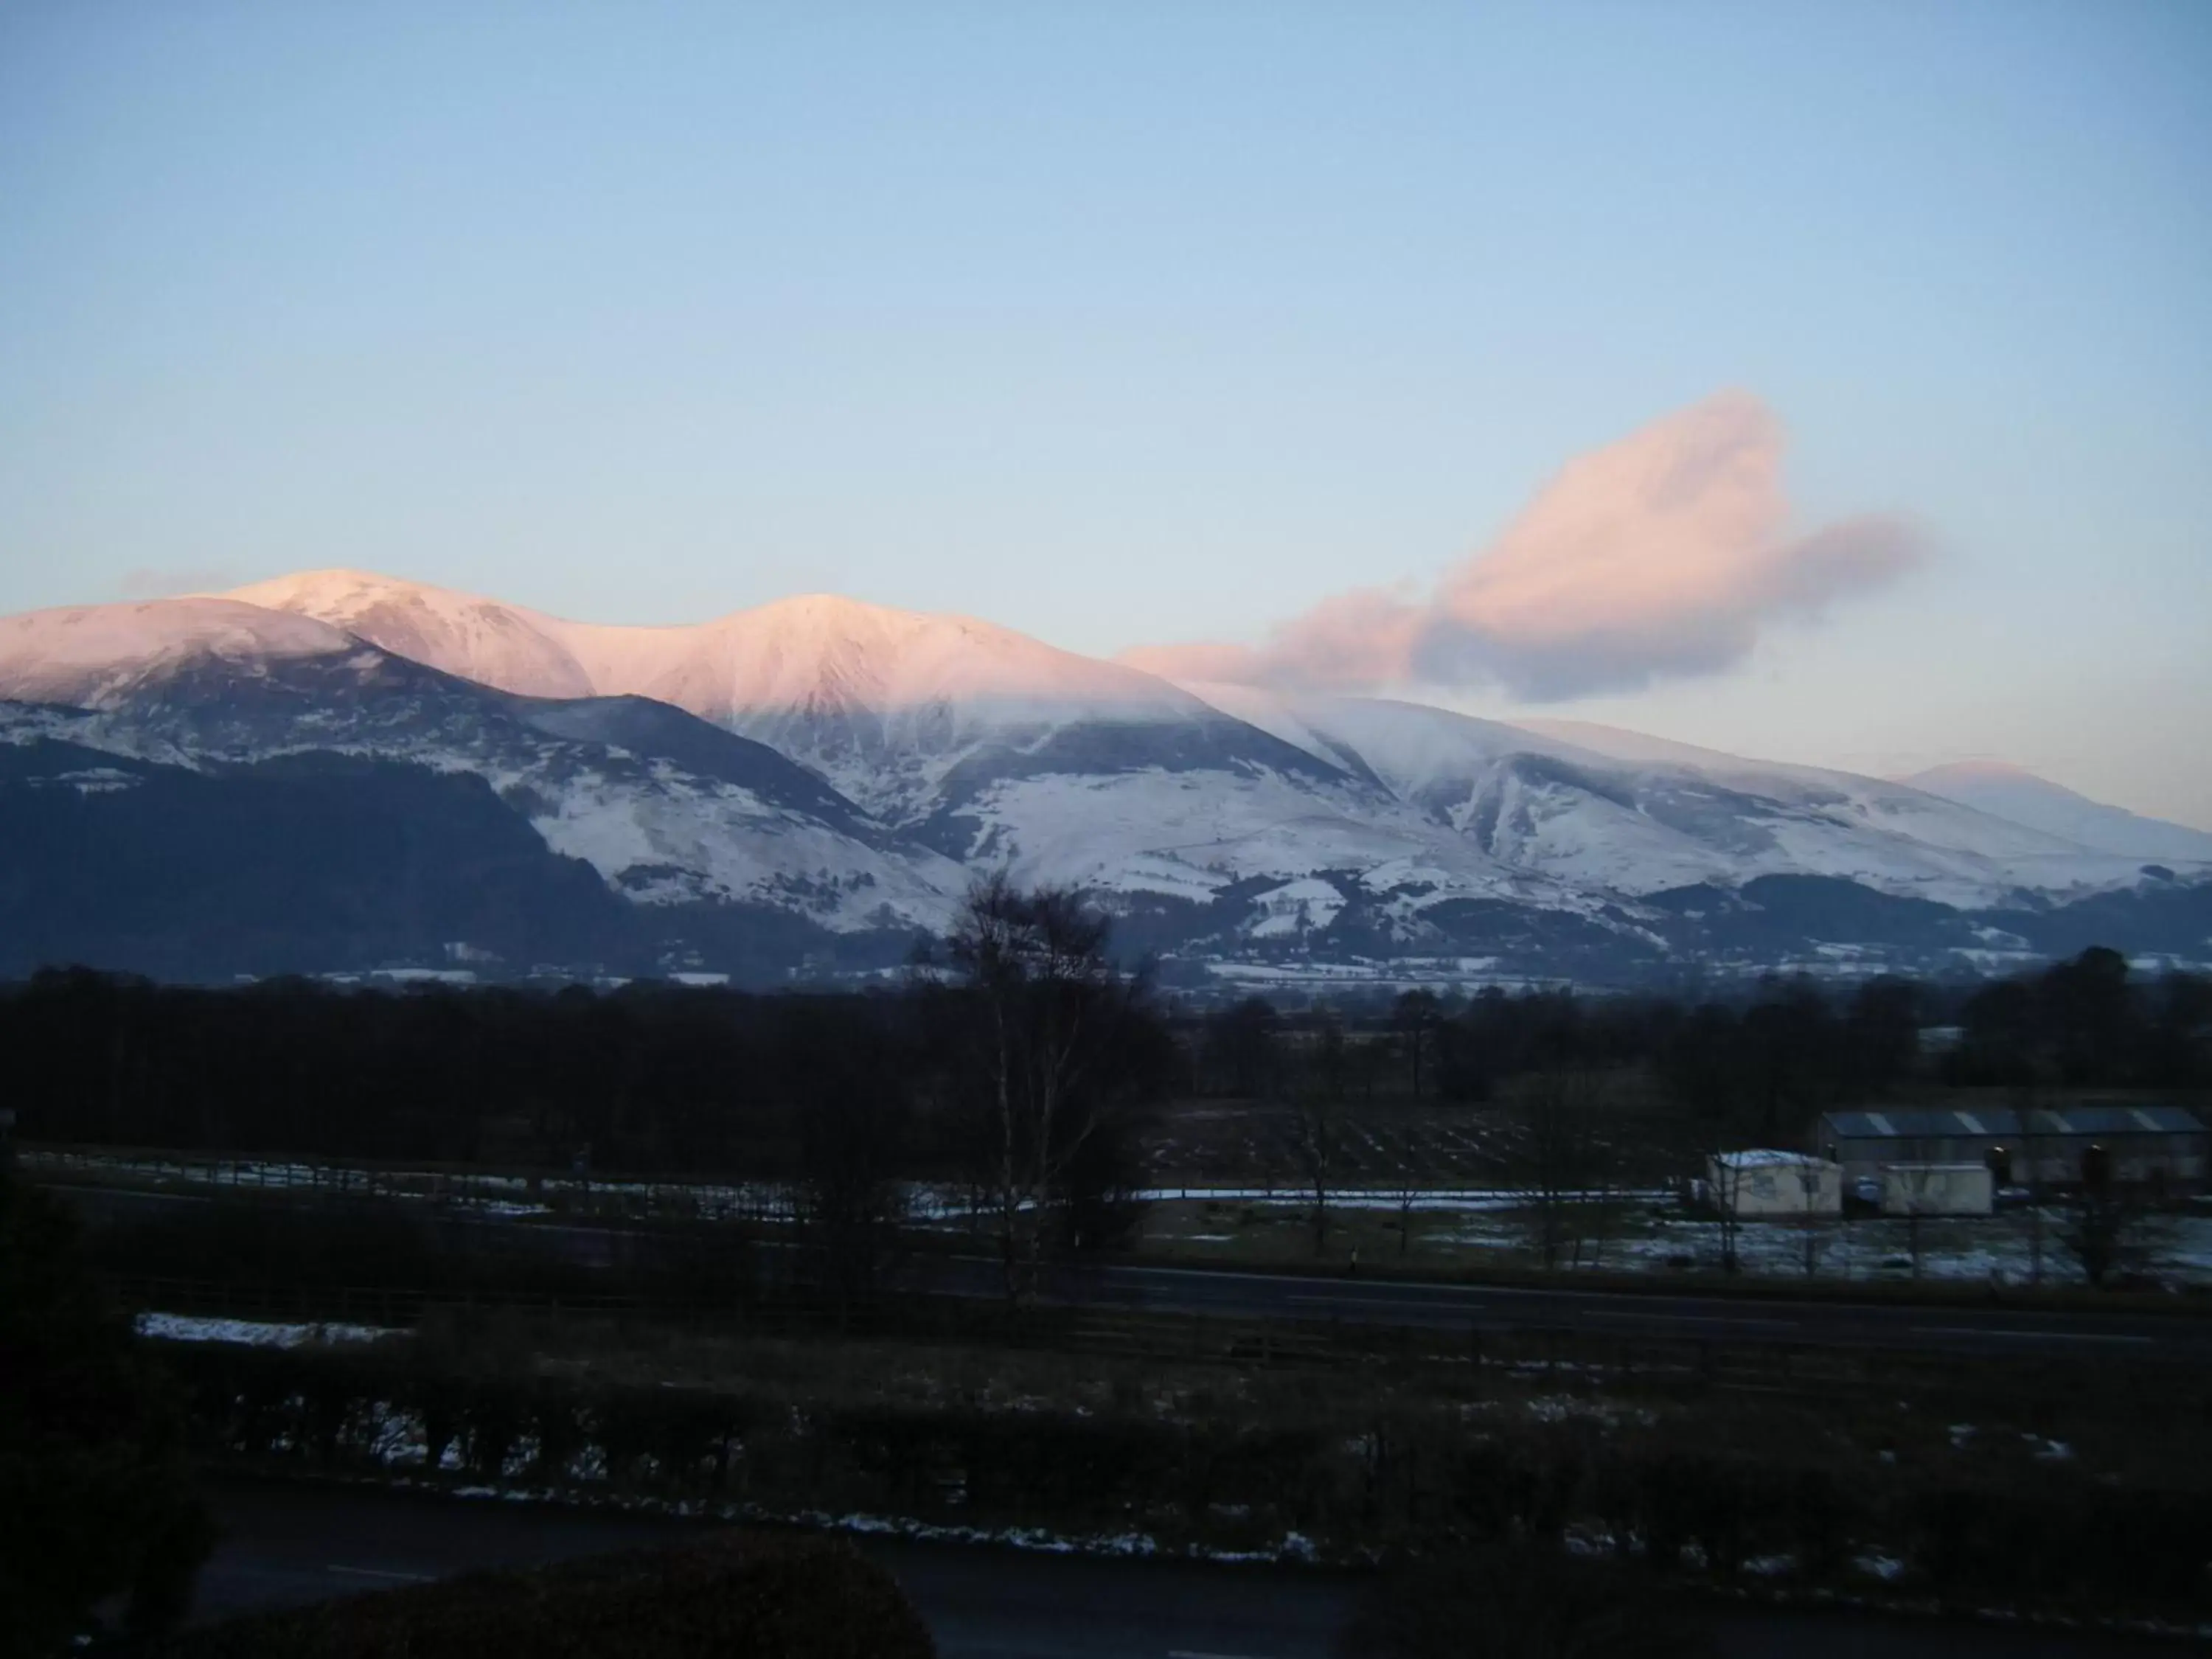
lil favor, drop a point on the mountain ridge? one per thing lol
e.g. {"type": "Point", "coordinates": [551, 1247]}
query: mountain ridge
{"type": "Point", "coordinates": [2024, 797]}
{"type": "Point", "coordinates": [852, 767]}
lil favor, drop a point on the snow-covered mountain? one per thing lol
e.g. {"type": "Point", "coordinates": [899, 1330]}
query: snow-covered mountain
{"type": "Point", "coordinates": [1595, 807]}
{"type": "Point", "coordinates": [882, 702]}
{"type": "Point", "coordinates": [988, 746]}
{"type": "Point", "coordinates": [97, 655]}
{"type": "Point", "coordinates": [668, 808]}
{"type": "Point", "coordinates": [2011, 792]}
{"type": "Point", "coordinates": [851, 767]}
{"type": "Point", "coordinates": [478, 638]}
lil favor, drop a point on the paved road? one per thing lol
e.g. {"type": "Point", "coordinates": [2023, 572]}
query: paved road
{"type": "Point", "coordinates": [1994, 1330]}
{"type": "Point", "coordinates": [1987, 1331]}
{"type": "Point", "coordinates": [285, 1543]}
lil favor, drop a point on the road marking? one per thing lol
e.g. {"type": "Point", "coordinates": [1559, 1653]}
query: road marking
{"type": "Point", "coordinates": [2030, 1336]}
{"type": "Point", "coordinates": [384, 1572]}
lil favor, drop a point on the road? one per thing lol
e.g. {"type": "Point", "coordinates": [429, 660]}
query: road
{"type": "Point", "coordinates": [286, 1543]}
{"type": "Point", "coordinates": [1985, 1331]}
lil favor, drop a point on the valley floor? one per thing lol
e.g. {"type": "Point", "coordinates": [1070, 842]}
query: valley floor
{"type": "Point", "coordinates": [1468, 1232]}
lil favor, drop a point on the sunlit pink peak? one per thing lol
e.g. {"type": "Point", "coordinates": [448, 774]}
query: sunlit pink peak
{"type": "Point", "coordinates": [813, 651]}
{"type": "Point", "coordinates": [819, 651]}
{"type": "Point", "coordinates": [481, 639]}
{"type": "Point", "coordinates": [87, 654]}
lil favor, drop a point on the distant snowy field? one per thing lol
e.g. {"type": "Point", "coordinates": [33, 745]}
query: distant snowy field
{"type": "Point", "coordinates": [1455, 1228]}
{"type": "Point", "coordinates": [1460, 1230]}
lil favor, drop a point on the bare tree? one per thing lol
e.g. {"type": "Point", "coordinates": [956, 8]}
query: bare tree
{"type": "Point", "coordinates": [1557, 1156]}
{"type": "Point", "coordinates": [1048, 1005]}
{"type": "Point", "coordinates": [1808, 1187]}
{"type": "Point", "coordinates": [2102, 1221]}
{"type": "Point", "coordinates": [1907, 1185]}
{"type": "Point", "coordinates": [1724, 1191]}
{"type": "Point", "coordinates": [1406, 1185]}
{"type": "Point", "coordinates": [1416, 1013]}
{"type": "Point", "coordinates": [1316, 1122]}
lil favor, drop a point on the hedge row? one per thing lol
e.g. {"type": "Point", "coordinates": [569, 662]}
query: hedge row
{"type": "Point", "coordinates": [735, 1596]}
{"type": "Point", "coordinates": [1347, 1479]}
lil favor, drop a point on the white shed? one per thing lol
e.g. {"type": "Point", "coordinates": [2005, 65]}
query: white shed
{"type": "Point", "coordinates": [1937, 1189]}
{"type": "Point", "coordinates": [1762, 1181]}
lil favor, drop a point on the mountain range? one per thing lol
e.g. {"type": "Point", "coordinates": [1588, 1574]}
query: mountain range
{"type": "Point", "coordinates": [336, 772]}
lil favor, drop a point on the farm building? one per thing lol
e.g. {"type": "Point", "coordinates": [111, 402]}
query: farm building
{"type": "Point", "coordinates": [1937, 1189]}
{"type": "Point", "coordinates": [2154, 1146]}
{"type": "Point", "coordinates": [1762, 1183]}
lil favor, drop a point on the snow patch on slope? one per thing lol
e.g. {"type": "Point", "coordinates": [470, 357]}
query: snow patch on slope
{"type": "Point", "coordinates": [1600, 807]}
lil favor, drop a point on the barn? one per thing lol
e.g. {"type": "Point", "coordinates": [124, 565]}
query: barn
{"type": "Point", "coordinates": [2160, 1148]}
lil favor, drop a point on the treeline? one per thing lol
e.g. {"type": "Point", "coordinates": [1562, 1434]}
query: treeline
{"type": "Point", "coordinates": [653, 1078]}
{"type": "Point", "coordinates": [2087, 1023]}
{"type": "Point", "coordinates": [1793, 1048]}
{"type": "Point", "coordinates": [1766, 1057]}
{"type": "Point", "coordinates": [1018, 1070]}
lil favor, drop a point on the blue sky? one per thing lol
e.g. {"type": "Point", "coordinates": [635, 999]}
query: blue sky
{"type": "Point", "coordinates": [1129, 325]}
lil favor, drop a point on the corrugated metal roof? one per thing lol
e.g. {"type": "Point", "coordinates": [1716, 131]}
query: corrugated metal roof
{"type": "Point", "coordinates": [2004, 1123]}
{"type": "Point", "coordinates": [2125, 1120]}
{"type": "Point", "coordinates": [1898, 1124]}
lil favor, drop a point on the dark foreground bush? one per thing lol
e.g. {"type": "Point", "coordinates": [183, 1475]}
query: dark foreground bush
{"type": "Point", "coordinates": [1521, 1601]}
{"type": "Point", "coordinates": [97, 1498]}
{"type": "Point", "coordinates": [732, 1596]}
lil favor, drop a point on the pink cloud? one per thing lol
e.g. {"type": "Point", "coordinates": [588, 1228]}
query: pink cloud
{"type": "Point", "coordinates": [1661, 556]}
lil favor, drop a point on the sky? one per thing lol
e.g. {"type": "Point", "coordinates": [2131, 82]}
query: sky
{"type": "Point", "coordinates": [1828, 383]}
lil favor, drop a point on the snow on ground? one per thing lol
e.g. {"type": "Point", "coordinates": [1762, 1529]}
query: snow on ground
{"type": "Point", "coordinates": [1158, 830]}
{"type": "Point", "coordinates": [1627, 1230]}
{"type": "Point", "coordinates": [1297, 907]}
{"type": "Point", "coordinates": [251, 1333]}
{"type": "Point", "coordinates": [1399, 973]}
{"type": "Point", "coordinates": [2001, 1250]}
{"type": "Point", "coordinates": [701, 840]}
{"type": "Point", "coordinates": [1438, 1201]}
{"type": "Point", "coordinates": [1465, 1226]}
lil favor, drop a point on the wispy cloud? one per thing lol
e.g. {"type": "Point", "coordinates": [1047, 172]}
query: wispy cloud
{"type": "Point", "coordinates": [149, 582]}
{"type": "Point", "coordinates": [1661, 556]}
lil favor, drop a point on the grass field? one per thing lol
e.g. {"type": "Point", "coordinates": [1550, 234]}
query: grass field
{"type": "Point", "coordinates": [1472, 1235]}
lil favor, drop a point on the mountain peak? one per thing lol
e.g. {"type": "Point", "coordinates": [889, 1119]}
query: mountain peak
{"type": "Point", "coordinates": [2012, 792]}
{"type": "Point", "coordinates": [813, 651]}
{"type": "Point", "coordinates": [1977, 770]}
{"type": "Point", "coordinates": [463, 634]}
{"type": "Point", "coordinates": [820, 651]}
{"type": "Point", "coordinates": [90, 654]}
{"type": "Point", "coordinates": [326, 585]}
